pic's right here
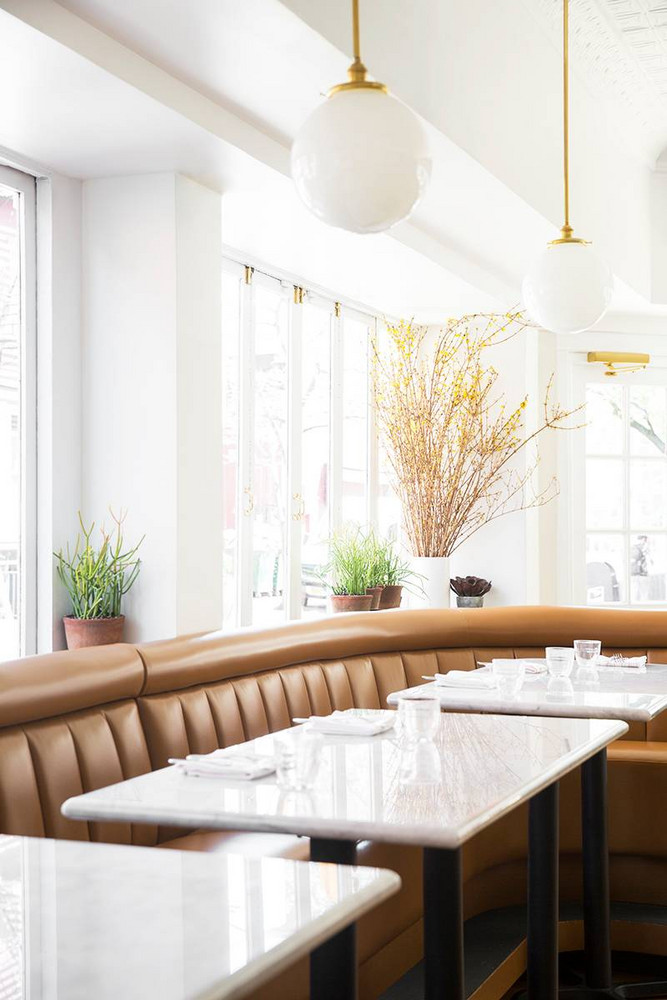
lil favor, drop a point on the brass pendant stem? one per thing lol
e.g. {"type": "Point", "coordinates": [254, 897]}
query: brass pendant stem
{"type": "Point", "coordinates": [357, 72]}
{"type": "Point", "coordinates": [355, 31]}
{"type": "Point", "coordinates": [566, 232]}
{"type": "Point", "coordinates": [567, 229]}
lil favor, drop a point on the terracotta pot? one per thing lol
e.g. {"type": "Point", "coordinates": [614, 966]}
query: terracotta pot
{"type": "Point", "coordinates": [391, 596]}
{"type": "Point", "coordinates": [376, 594]}
{"type": "Point", "coordinates": [350, 602]}
{"type": "Point", "coordinates": [81, 632]}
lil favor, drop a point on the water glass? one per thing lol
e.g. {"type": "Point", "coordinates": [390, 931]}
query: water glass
{"type": "Point", "coordinates": [560, 660]}
{"type": "Point", "coordinates": [298, 754]}
{"type": "Point", "coordinates": [587, 652]}
{"type": "Point", "coordinates": [419, 715]}
{"type": "Point", "coordinates": [509, 676]}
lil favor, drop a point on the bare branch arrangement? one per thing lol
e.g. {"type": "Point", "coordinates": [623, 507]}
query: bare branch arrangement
{"type": "Point", "coordinates": [451, 439]}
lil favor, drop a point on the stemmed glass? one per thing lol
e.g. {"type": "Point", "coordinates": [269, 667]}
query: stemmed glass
{"type": "Point", "coordinates": [587, 652]}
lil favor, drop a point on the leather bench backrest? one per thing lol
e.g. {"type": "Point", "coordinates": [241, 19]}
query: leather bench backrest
{"type": "Point", "coordinates": [69, 723]}
{"type": "Point", "coordinates": [43, 763]}
{"type": "Point", "coordinates": [262, 678]}
{"type": "Point", "coordinates": [72, 722]}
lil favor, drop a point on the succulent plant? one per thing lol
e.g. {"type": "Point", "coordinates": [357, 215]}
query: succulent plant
{"type": "Point", "coordinates": [470, 586]}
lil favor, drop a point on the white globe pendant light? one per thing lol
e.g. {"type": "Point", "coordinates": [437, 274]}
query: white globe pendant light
{"type": "Point", "coordinates": [361, 160]}
{"type": "Point", "coordinates": [568, 287]}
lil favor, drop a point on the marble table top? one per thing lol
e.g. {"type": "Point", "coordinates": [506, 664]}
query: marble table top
{"type": "Point", "coordinates": [632, 697]}
{"type": "Point", "coordinates": [80, 921]}
{"type": "Point", "coordinates": [478, 768]}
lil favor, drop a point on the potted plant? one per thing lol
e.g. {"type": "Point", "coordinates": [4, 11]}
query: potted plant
{"type": "Point", "coordinates": [469, 590]}
{"type": "Point", "coordinates": [348, 572]}
{"type": "Point", "coordinates": [374, 551]}
{"type": "Point", "coordinates": [96, 579]}
{"type": "Point", "coordinates": [394, 574]}
{"type": "Point", "coordinates": [451, 439]}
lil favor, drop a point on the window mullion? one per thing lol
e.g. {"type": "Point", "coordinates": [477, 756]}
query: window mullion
{"type": "Point", "coordinates": [294, 449]}
{"type": "Point", "coordinates": [626, 489]}
{"type": "Point", "coordinates": [245, 501]}
{"type": "Point", "coordinates": [336, 458]}
{"type": "Point", "coordinates": [373, 471]}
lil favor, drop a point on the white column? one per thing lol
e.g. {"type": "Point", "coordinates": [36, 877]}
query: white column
{"type": "Point", "coordinates": [152, 438]}
{"type": "Point", "coordinates": [199, 407]}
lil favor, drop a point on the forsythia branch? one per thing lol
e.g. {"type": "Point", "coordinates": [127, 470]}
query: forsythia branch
{"type": "Point", "coordinates": [450, 437]}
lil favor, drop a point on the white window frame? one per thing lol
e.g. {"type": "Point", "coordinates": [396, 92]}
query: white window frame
{"type": "Point", "coordinates": [251, 275]}
{"type": "Point", "coordinates": [583, 373]}
{"type": "Point", "coordinates": [25, 184]}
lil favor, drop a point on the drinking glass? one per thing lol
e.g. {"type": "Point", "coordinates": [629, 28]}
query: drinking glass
{"type": "Point", "coordinates": [298, 754]}
{"type": "Point", "coordinates": [509, 675]}
{"type": "Point", "coordinates": [560, 660]}
{"type": "Point", "coordinates": [587, 652]}
{"type": "Point", "coordinates": [419, 715]}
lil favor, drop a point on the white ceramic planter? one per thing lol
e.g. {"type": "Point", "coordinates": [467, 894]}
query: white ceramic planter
{"type": "Point", "coordinates": [433, 572]}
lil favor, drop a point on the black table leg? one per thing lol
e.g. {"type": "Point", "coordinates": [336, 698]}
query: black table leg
{"type": "Point", "coordinates": [597, 919]}
{"type": "Point", "coordinates": [543, 895]}
{"type": "Point", "coordinates": [333, 965]}
{"type": "Point", "coordinates": [595, 856]}
{"type": "Point", "coordinates": [443, 925]}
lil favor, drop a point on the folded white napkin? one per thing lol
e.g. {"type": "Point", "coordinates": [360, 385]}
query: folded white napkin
{"type": "Point", "coordinates": [346, 724]}
{"type": "Point", "coordinates": [531, 666]}
{"type": "Point", "coordinates": [621, 661]}
{"type": "Point", "coordinates": [466, 679]}
{"type": "Point", "coordinates": [227, 763]}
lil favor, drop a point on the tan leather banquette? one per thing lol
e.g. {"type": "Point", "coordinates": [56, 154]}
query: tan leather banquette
{"type": "Point", "coordinates": [72, 722]}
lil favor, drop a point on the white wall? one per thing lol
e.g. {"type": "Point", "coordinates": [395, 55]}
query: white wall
{"type": "Point", "coordinates": [152, 384]}
{"type": "Point", "coordinates": [498, 551]}
{"type": "Point", "coordinates": [658, 231]}
{"type": "Point", "coordinates": [58, 392]}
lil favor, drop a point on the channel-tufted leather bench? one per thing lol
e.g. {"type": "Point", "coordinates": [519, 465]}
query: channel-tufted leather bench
{"type": "Point", "coordinates": [74, 721]}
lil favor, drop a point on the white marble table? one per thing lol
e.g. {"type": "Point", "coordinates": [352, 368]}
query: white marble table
{"type": "Point", "coordinates": [625, 694]}
{"type": "Point", "coordinates": [632, 697]}
{"type": "Point", "coordinates": [81, 921]}
{"type": "Point", "coordinates": [485, 767]}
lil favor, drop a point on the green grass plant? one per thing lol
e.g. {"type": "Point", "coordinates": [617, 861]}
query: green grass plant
{"type": "Point", "coordinates": [97, 577]}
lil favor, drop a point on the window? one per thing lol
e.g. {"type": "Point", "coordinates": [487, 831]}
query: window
{"type": "Point", "coordinates": [300, 458]}
{"type": "Point", "coordinates": [17, 413]}
{"type": "Point", "coordinates": [625, 488]}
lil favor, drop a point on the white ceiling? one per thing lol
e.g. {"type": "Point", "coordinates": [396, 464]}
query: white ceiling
{"type": "Point", "coordinates": [620, 47]}
{"type": "Point", "coordinates": [216, 89]}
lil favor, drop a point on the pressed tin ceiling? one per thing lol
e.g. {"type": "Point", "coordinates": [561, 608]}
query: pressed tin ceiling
{"type": "Point", "coordinates": [620, 49]}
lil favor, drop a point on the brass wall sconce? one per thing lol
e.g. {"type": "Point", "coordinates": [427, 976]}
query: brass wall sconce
{"type": "Point", "coordinates": [617, 362]}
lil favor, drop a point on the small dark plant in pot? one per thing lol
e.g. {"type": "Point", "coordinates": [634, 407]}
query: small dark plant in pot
{"type": "Point", "coordinates": [469, 590]}
{"type": "Point", "coordinates": [97, 577]}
